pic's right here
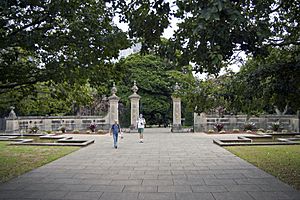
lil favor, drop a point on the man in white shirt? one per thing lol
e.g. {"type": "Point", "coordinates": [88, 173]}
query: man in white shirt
{"type": "Point", "coordinates": [141, 125]}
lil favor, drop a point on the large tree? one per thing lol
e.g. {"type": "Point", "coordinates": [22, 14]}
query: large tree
{"type": "Point", "coordinates": [274, 80]}
{"type": "Point", "coordinates": [211, 32]}
{"type": "Point", "coordinates": [49, 98]}
{"type": "Point", "coordinates": [55, 40]}
{"type": "Point", "coordinates": [263, 85]}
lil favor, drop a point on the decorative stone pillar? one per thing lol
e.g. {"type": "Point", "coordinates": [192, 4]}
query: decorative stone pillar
{"type": "Point", "coordinates": [135, 106]}
{"type": "Point", "coordinates": [12, 124]}
{"type": "Point", "coordinates": [176, 127]}
{"type": "Point", "coordinates": [113, 106]}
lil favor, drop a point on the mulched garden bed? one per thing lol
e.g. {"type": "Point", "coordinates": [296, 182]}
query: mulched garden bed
{"type": "Point", "coordinates": [85, 132]}
{"type": "Point", "coordinates": [232, 132]}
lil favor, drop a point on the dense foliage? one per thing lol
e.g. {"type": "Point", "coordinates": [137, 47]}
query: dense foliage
{"type": "Point", "coordinates": [269, 85]}
{"type": "Point", "coordinates": [55, 40]}
{"type": "Point", "coordinates": [210, 32]}
{"type": "Point", "coordinates": [155, 79]}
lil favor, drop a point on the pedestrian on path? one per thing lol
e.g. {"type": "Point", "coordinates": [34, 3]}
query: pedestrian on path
{"type": "Point", "coordinates": [115, 129]}
{"type": "Point", "coordinates": [141, 125]}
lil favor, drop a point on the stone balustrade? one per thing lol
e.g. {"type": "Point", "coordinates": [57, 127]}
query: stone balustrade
{"type": "Point", "coordinates": [203, 122]}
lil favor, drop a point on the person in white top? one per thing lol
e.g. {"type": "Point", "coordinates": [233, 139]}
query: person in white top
{"type": "Point", "coordinates": [141, 125]}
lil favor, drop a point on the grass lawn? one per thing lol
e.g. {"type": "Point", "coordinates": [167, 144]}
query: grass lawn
{"type": "Point", "coordinates": [280, 161]}
{"type": "Point", "coordinates": [16, 160]}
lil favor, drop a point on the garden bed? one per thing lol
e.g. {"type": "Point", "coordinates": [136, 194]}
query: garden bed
{"type": "Point", "coordinates": [44, 140]}
{"type": "Point", "coordinates": [85, 132]}
{"type": "Point", "coordinates": [267, 139]}
{"type": "Point", "coordinates": [231, 132]}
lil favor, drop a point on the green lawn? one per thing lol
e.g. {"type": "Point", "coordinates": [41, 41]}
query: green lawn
{"type": "Point", "coordinates": [280, 161]}
{"type": "Point", "coordinates": [16, 160]}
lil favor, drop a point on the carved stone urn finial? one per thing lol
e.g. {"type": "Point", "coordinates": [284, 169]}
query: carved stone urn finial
{"type": "Point", "coordinates": [176, 88]}
{"type": "Point", "coordinates": [114, 89]}
{"type": "Point", "coordinates": [134, 88]}
{"type": "Point", "coordinates": [12, 114]}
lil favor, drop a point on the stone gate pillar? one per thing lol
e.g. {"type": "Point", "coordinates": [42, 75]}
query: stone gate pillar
{"type": "Point", "coordinates": [135, 106]}
{"type": "Point", "coordinates": [113, 106]}
{"type": "Point", "coordinates": [176, 127]}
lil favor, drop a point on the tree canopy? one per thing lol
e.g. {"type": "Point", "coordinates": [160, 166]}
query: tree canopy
{"type": "Point", "coordinates": [210, 32]}
{"type": "Point", "coordinates": [263, 85]}
{"type": "Point", "coordinates": [55, 40]}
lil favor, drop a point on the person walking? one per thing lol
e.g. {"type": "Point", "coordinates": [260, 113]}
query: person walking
{"type": "Point", "coordinates": [141, 125]}
{"type": "Point", "coordinates": [115, 129]}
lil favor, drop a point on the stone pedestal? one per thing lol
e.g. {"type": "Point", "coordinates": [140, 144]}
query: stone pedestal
{"type": "Point", "coordinates": [135, 107]}
{"type": "Point", "coordinates": [113, 106]}
{"type": "Point", "coordinates": [12, 123]}
{"type": "Point", "coordinates": [176, 127]}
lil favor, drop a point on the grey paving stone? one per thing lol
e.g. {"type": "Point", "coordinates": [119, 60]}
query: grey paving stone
{"type": "Point", "coordinates": [138, 188]}
{"type": "Point", "coordinates": [164, 177]}
{"type": "Point", "coordinates": [96, 181]}
{"type": "Point", "coordinates": [74, 187]}
{"type": "Point", "coordinates": [116, 176]}
{"type": "Point", "coordinates": [48, 194]}
{"type": "Point", "coordinates": [231, 175]}
{"type": "Point", "coordinates": [211, 181]}
{"type": "Point", "coordinates": [194, 196]}
{"type": "Point", "coordinates": [242, 188]}
{"type": "Point", "coordinates": [126, 182]}
{"type": "Point", "coordinates": [174, 188]}
{"type": "Point", "coordinates": [12, 186]}
{"type": "Point", "coordinates": [107, 188]}
{"type": "Point", "coordinates": [191, 172]}
{"type": "Point", "coordinates": [15, 194]}
{"type": "Point", "coordinates": [159, 172]}
{"type": "Point", "coordinates": [157, 182]}
{"type": "Point", "coordinates": [64, 180]}
{"type": "Point", "coordinates": [276, 187]}
{"type": "Point", "coordinates": [54, 175]}
{"type": "Point", "coordinates": [269, 195]}
{"type": "Point", "coordinates": [257, 175]}
{"type": "Point", "coordinates": [28, 180]}
{"type": "Point", "coordinates": [24, 198]}
{"type": "Point", "coordinates": [83, 195]}
{"type": "Point", "coordinates": [256, 181]}
{"type": "Point", "coordinates": [201, 176]}
{"type": "Point", "coordinates": [232, 196]}
{"type": "Point", "coordinates": [88, 175]}
{"type": "Point", "coordinates": [188, 181]}
{"type": "Point", "coordinates": [294, 195]}
{"type": "Point", "coordinates": [156, 196]}
{"type": "Point", "coordinates": [209, 188]}
{"type": "Point", "coordinates": [174, 171]}
{"type": "Point", "coordinates": [119, 196]}
{"type": "Point", "coordinates": [143, 176]}
{"type": "Point", "coordinates": [42, 187]}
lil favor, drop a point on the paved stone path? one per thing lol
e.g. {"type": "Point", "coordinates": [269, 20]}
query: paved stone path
{"type": "Point", "coordinates": [167, 166]}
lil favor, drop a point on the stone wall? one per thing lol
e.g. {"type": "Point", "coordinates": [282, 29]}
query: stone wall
{"type": "Point", "coordinates": [53, 123]}
{"type": "Point", "coordinates": [203, 122]}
